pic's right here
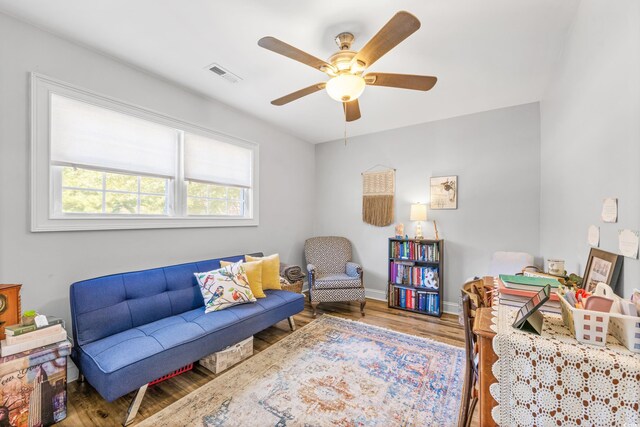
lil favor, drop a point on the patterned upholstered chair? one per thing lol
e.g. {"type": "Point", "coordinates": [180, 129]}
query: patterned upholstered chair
{"type": "Point", "coordinates": [332, 275]}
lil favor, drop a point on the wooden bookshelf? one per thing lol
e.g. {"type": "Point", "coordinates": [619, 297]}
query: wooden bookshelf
{"type": "Point", "coordinates": [416, 275]}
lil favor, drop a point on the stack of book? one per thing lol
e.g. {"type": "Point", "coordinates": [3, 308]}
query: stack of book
{"type": "Point", "coordinates": [515, 291]}
{"type": "Point", "coordinates": [21, 338]}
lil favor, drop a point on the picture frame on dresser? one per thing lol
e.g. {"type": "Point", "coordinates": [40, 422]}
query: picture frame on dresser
{"type": "Point", "coordinates": [602, 267]}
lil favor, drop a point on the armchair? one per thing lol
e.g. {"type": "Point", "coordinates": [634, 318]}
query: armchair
{"type": "Point", "coordinates": [333, 276]}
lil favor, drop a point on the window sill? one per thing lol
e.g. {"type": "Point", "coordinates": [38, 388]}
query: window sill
{"type": "Point", "coordinates": [85, 224]}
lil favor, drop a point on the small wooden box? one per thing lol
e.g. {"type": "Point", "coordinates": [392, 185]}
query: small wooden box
{"type": "Point", "coordinates": [10, 310]}
{"type": "Point", "coordinates": [34, 385]}
{"type": "Point", "coordinates": [224, 359]}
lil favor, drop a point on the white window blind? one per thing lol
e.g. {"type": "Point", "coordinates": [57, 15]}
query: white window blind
{"type": "Point", "coordinates": [85, 135]}
{"type": "Point", "coordinates": [216, 162]}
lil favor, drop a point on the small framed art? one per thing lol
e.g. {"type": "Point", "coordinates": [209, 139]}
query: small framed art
{"type": "Point", "coordinates": [444, 192]}
{"type": "Point", "coordinates": [602, 267]}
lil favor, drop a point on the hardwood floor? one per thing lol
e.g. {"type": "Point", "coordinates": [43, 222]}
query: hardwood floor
{"type": "Point", "coordinates": [85, 407]}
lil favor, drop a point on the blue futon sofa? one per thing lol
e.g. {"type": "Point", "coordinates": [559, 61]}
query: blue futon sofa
{"type": "Point", "coordinates": [132, 328]}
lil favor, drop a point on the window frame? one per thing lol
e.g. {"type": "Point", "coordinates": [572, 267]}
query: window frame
{"type": "Point", "coordinates": [43, 181]}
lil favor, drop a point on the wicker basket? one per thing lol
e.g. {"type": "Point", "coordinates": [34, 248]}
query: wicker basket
{"type": "Point", "coordinates": [292, 287]}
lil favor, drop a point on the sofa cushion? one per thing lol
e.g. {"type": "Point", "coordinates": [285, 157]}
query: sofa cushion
{"type": "Point", "coordinates": [114, 352]}
{"type": "Point", "coordinates": [125, 361]}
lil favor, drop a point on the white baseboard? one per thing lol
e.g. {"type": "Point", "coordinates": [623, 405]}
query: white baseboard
{"type": "Point", "coordinates": [376, 294]}
{"type": "Point", "coordinates": [450, 307]}
{"type": "Point", "coordinates": [447, 306]}
{"type": "Point", "coordinates": [369, 293]}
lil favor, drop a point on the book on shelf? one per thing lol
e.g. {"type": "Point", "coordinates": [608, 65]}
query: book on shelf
{"type": "Point", "coordinates": [415, 275]}
{"type": "Point", "coordinates": [415, 300]}
{"type": "Point", "coordinates": [403, 273]}
{"type": "Point", "coordinates": [38, 333]}
{"type": "Point", "coordinates": [415, 250]}
{"type": "Point", "coordinates": [15, 330]}
{"type": "Point", "coordinates": [9, 349]}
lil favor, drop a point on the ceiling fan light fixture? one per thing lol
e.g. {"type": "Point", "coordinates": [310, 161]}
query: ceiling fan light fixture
{"type": "Point", "coordinates": [345, 87]}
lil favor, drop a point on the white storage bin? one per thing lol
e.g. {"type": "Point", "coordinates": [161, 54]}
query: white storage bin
{"type": "Point", "coordinates": [224, 359]}
{"type": "Point", "coordinates": [627, 330]}
{"type": "Point", "coordinates": [587, 326]}
{"type": "Point", "coordinates": [591, 327]}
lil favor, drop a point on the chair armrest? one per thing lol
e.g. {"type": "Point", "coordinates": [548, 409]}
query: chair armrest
{"type": "Point", "coordinates": [353, 269]}
{"type": "Point", "coordinates": [311, 275]}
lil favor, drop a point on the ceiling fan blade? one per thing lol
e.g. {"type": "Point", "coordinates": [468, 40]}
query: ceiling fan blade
{"type": "Point", "coordinates": [401, 26]}
{"type": "Point", "coordinates": [351, 110]}
{"type": "Point", "coordinates": [298, 94]}
{"type": "Point", "coordinates": [278, 46]}
{"type": "Point", "coordinates": [404, 81]}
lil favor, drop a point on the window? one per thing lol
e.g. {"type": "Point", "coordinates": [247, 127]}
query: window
{"type": "Point", "coordinates": [211, 199]}
{"type": "Point", "coordinates": [98, 163]}
{"type": "Point", "coordinates": [86, 191]}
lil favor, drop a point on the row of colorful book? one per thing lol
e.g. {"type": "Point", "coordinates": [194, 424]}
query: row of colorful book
{"type": "Point", "coordinates": [415, 251]}
{"type": "Point", "coordinates": [409, 274]}
{"type": "Point", "coordinates": [415, 300]}
{"type": "Point", "coordinates": [19, 338]}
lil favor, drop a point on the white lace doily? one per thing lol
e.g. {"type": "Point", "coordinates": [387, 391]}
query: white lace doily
{"type": "Point", "coordinates": [552, 379]}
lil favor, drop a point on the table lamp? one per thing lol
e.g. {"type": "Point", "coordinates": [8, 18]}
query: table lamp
{"type": "Point", "coordinates": [418, 213]}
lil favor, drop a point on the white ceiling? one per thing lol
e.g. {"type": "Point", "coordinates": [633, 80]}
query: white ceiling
{"type": "Point", "coordinates": [486, 54]}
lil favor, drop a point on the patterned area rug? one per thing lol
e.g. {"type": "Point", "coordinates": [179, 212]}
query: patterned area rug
{"type": "Point", "coordinates": [331, 372]}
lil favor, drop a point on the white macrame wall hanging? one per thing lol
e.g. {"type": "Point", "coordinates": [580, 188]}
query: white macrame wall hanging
{"type": "Point", "coordinates": [378, 190]}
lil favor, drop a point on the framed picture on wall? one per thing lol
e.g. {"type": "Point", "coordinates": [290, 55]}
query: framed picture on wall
{"type": "Point", "coordinates": [602, 267]}
{"type": "Point", "coordinates": [444, 192]}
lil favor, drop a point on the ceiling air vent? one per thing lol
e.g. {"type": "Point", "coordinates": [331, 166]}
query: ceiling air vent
{"type": "Point", "coordinates": [224, 73]}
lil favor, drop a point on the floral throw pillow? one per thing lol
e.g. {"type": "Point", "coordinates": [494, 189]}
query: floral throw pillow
{"type": "Point", "coordinates": [225, 287]}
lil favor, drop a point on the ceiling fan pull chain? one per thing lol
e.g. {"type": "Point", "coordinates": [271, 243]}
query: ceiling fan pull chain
{"type": "Point", "coordinates": [345, 132]}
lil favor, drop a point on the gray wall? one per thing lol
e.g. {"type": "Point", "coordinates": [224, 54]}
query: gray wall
{"type": "Point", "coordinates": [496, 156]}
{"type": "Point", "coordinates": [590, 135]}
{"type": "Point", "coordinates": [46, 263]}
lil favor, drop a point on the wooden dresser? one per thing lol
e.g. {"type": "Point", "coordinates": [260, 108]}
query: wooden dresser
{"type": "Point", "coordinates": [482, 329]}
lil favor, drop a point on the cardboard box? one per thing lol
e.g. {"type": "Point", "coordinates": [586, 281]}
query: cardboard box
{"type": "Point", "coordinates": [33, 386]}
{"type": "Point", "coordinates": [221, 360]}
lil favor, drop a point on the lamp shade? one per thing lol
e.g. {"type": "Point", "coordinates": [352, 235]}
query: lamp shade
{"type": "Point", "coordinates": [418, 212]}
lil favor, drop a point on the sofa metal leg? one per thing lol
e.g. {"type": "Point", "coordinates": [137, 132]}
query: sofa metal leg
{"type": "Point", "coordinates": [81, 378]}
{"type": "Point", "coordinates": [314, 306]}
{"type": "Point", "coordinates": [292, 323]}
{"type": "Point", "coordinates": [362, 304]}
{"type": "Point", "coordinates": [135, 405]}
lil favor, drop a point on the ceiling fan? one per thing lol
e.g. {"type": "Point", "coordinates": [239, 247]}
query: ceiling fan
{"type": "Point", "coordinates": [346, 67]}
